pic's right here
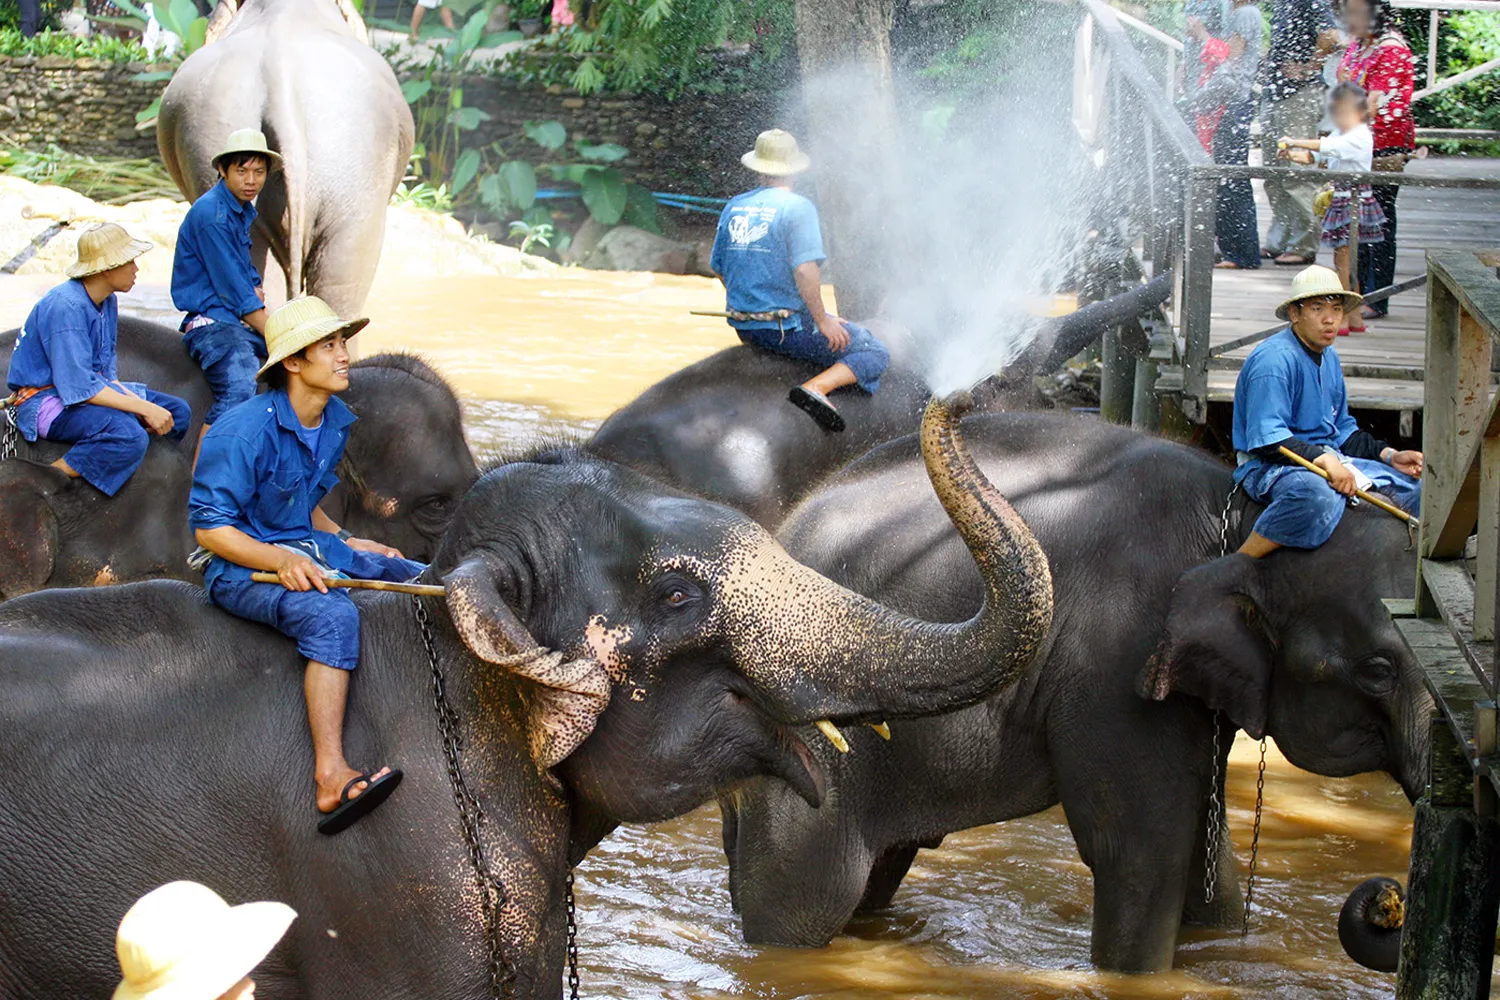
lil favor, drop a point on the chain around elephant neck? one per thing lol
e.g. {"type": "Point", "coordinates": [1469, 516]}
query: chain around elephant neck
{"type": "Point", "coordinates": [1260, 797]}
{"type": "Point", "coordinates": [502, 974]}
{"type": "Point", "coordinates": [8, 433]}
{"type": "Point", "coordinates": [1214, 826]}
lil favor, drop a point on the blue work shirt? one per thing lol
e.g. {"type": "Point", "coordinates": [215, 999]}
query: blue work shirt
{"type": "Point", "coordinates": [68, 343]}
{"type": "Point", "coordinates": [1282, 392]}
{"type": "Point", "coordinates": [763, 237]}
{"type": "Point", "coordinates": [211, 269]}
{"type": "Point", "coordinates": [257, 473]}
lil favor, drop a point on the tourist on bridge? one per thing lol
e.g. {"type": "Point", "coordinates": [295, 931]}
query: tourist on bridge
{"type": "Point", "coordinates": [1232, 86]}
{"type": "Point", "coordinates": [1303, 35]}
{"type": "Point", "coordinates": [63, 376]}
{"type": "Point", "coordinates": [181, 941]}
{"type": "Point", "coordinates": [263, 469]}
{"type": "Point", "coordinates": [213, 280]}
{"type": "Point", "coordinates": [767, 252]}
{"type": "Point", "coordinates": [1290, 394]}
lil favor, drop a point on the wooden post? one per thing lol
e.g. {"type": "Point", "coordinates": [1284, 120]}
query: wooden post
{"type": "Point", "coordinates": [1145, 408]}
{"type": "Point", "coordinates": [1116, 379]}
{"type": "Point", "coordinates": [1197, 291]}
{"type": "Point", "coordinates": [1453, 887]}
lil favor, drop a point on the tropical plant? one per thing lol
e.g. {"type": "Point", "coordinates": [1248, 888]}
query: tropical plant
{"type": "Point", "coordinates": [106, 48]}
{"type": "Point", "coordinates": [10, 15]}
{"type": "Point", "coordinates": [539, 234]}
{"type": "Point", "coordinates": [109, 180]}
{"type": "Point", "coordinates": [423, 195]}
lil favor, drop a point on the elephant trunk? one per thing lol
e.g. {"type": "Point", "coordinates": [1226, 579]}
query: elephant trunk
{"type": "Point", "coordinates": [821, 651]}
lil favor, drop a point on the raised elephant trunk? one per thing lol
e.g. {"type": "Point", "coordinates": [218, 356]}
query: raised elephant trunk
{"type": "Point", "coordinates": [821, 651]}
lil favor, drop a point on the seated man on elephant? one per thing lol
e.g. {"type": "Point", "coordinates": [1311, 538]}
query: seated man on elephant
{"type": "Point", "coordinates": [64, 377]}
{"type": "Point", "coordinates": [1290, 394]}
{"type": "Point", "coordinates": [254, 507]}
{"type": "Point", "coordinates": [213, 280]}
{"type": "Point", "coordinates": [767, 252]}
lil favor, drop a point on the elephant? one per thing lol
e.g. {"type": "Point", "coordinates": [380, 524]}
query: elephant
{"type": "Point", "coordinates": [303, 73]}
{"type": "Point", "coordinates": [406, 467]}
{"type": "Point", "coordinates": [722, 429]}
{"type": "Point", "coordinates": [1161, 649]}
{"type": "Point", "coordinates": [610, 650]}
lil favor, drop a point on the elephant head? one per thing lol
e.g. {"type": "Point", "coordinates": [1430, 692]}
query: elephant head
{"type": "Point", "coordinates": [407, 465]}
{"type": "Point", "coordinates": [690, 643]}
{"type": "Point", "coordinates": [1299, 646]}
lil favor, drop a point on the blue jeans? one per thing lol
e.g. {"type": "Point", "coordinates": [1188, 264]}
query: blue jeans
{"type": "Point", "coordinates": [1302, 509]}
{"type": "Point", "coordinates": [108, 444]}
{"type": "Point", "coordinates": [866, 357]}
{"type": "Point", "coordinates": [230, 354]}
{"type": "Point", "coordinates": [1239, 237]}
{"type": "Point", "coordinates": [326, 626]}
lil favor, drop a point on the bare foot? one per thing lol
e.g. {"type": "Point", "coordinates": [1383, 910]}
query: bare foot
{"type": "Point", "coordinates": [331, 786]}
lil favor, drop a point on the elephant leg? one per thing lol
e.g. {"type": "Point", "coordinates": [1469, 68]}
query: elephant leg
{"type": "Point", "coordinates": [1226, 906]}
{"type": "Point", "coordinates": [885, 877]}
{"type": "Point", "coordinates": [1138, 899]}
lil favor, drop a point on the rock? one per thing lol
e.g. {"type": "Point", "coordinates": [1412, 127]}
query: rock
{"type": "Point", "coordinates": [702, 253]}
{"type": "Point", "coordinates": [626, 248]}
{"type": "Point", "coordinates": [584, 241]}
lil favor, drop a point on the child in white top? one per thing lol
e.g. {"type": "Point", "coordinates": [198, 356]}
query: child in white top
{"type": "Point", "coordinates": [1350, 147]}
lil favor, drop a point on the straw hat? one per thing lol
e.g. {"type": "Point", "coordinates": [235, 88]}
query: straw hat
{"type": "Point", "coordinates": [1314, 283]}
{"type": "Point", "coordinates": [301, 323]}
{"type": "Point", "coordinates": [104, 247]}
{"type": "Point", "coordinates": [249, 140]}
{"type": "Point", "coordinates": [182, 942]}
{"type": "Point", "coordinates": [776, 153]}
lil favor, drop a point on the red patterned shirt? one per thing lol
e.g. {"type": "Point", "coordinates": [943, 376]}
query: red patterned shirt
{"type": "Point", "coordinates": [1387, 67]}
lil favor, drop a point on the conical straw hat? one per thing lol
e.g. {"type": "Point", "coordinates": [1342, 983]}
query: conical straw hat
{"type": "Point", "coordinates": [301, 323]}
{"type": "Point", "coordinates": [104, 247]}
{"type": "Point", "coordinates": [776, 153]}
{"type": "Point", "coordinates": [1316, 282]}
{"type": "Point", "coordinates": [249, 140]}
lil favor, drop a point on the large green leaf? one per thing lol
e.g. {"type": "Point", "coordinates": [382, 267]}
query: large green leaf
{"type": "Point", "coordinates": [464, 170]}
{"type": "Point", "coordinates": [156, 76]}
{"type": "Point", "coordinates": [518, 182]}
{"type": "Point", "coordinates": [640, 209]}
{"type": "Point", "coordinates": [605, 196]}
{"type": "Point", "coordinates": [148, 113]}
{"type": "Point", "coordinates": [415, 90]}
{"type": "Point", "coordinates": [196, 36]}
{"type": "Point", "coordinates": [606, 152]}
{"type": "Point", "coordinates": [492, 193]}
{"type": "Point", "coordinates": [473, 30]}
{"type": "Point", "coordinates": [549, 135]}
{"type": "Point", "coordinates": [467, 119]}
{"type": "Point", "coordinates": [177, 16]}
{"type": "Point", "coordinates": [499, 38]}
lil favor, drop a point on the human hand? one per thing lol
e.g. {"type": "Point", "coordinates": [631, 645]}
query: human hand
{"type": "Point", "coordinates": [158, 419]}
{"type": "Point", "coordinates": [367, 545]}
{"type": "Point", "coordinates": [300, 573]}
{"type": "Point", "coordinates": [833, 331]}
{"type": "Point", "coordinates": [1409, 462]}
{"type": "Point", "coordinates": [1339, 475]}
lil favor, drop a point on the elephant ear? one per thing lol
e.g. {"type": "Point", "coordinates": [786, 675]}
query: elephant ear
{"type": "Point", "coordinates": [28, 526]}
{"type": "Point", "coordinates": [220, 19]}
{"type": "Point", "coordinates": [352, 18]}
{"type": "Point", "coordinates": [566, 698]}
{"type": "Point", "coordinates": [1218, 645]}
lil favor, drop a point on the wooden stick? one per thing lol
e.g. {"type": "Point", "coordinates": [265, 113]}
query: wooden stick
{"type": "Point", "coordinates": [1369, 498]}
{"type": "Point", "coordinates": [420, 589]}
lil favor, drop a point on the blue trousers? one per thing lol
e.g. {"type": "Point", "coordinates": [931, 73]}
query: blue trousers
{"type": "Point", "coordinates": [866, 356]}
{"type": "Point", "coordinates": [1239, 238]}
{"type": "Point", "coordinates": [230, 354]}
{"type": "Point", "coordinates": [108, 444]}
{"type": "Point", "coordinates": [1302, 509]}
{"type": "Point", "coordinates": [326, 626]}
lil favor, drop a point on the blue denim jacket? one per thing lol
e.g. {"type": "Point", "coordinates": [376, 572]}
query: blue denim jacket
{"type": "Point", "coordinates": [255, 473]}
{"type": "Point", "coordinates": [67, 342]}
{"type": "Point", "coordinates": [211, 269]}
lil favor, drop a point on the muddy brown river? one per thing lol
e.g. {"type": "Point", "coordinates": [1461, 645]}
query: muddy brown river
{"type": "Point", "coordinates": [1000, 911]}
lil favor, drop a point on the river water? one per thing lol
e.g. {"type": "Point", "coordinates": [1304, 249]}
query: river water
{"type": "Point", "coordinates": [1001, 911]}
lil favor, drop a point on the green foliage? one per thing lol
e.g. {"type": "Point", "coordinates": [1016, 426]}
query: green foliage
{"type": "Point", "coordinates": [55, 43]}
{"type": "Point", "coordinates": [533, 234]}
{"type": "Point", "coordinates": [423, 195]}
{"type": "Point", "coordinates": [10, 17]}
{"type": "Point", "coordinates": [1467, 39]}
{"type": "Point", "coordinates": [113, 181]}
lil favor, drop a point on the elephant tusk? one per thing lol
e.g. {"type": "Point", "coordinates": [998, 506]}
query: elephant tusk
{"type": "Point", "coordinates": [835, 737]}
{"type": "Point", "coordinates": [881, 728]}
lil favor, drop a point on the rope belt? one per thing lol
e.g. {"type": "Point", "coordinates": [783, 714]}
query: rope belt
{"type": "Point", "coordinates": [774, 316]}
{"type": "Point", "coordinates": [21, 395]}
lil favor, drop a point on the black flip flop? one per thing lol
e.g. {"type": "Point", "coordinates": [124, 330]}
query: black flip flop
{"type": "Point", "coordinates": [817, 406]}
{"type": "Point", "coordinates": [349, 810]}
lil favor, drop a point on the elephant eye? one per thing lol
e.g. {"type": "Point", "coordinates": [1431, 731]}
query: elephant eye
{"type": "Point", "coordinates": [1376, 676]}
{"type": "Point", "coordinates": [676, 593]}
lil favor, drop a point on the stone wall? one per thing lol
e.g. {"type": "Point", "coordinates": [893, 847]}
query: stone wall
{"type": "Point", "coordinates": [691, 145]}
{"type": "Point", "coordinates": [83, 105]}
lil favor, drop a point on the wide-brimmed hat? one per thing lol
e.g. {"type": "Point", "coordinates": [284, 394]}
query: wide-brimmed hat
{"type": "Point", "coordinates": [776, 153]}
{"type": "Point", "coordinates": [1315, 283]}
{"type": "Point", "coordinates": [301, 323]}
{"type": "Point", "coordinates": [249, 140]}
{"type": "Point", "coordinates": [183, 942]}
{"type": "Point", "coordinates": [104, 247]}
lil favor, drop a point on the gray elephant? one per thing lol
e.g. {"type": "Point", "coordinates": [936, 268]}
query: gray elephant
{"type": "Point", "coordinates": [302, 72]}
{"type": "Point", "coordinates": [406, 467]}
{"type": "Point", "coordinates": [1154, 639]}
{"type": "Point", "coordinates": [151, 737]}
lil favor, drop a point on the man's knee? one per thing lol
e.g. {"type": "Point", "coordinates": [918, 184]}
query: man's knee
{"type": "Point", "coordinates": [123, 433]}
{"type": "Point", "coordinates": [326, 626]}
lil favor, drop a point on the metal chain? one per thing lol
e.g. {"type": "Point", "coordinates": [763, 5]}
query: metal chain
{"type": "Point", "coordinates": [1260, 797]}
{"type": "Point", "coordinates": [572, 943]}
{"type": "Point", "coordinates": [8, 433]}
{"type": "Point", "coordinates": [471, 820]}
{"type": "Point", "coordinates": [1215, 804]}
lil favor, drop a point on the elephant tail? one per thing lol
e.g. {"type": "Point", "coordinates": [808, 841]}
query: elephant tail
{"type": "Point", "coordinates": [286, 127]}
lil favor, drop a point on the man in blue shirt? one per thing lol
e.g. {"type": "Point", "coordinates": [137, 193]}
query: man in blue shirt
{"type": "Point", "coordinates": [213, 280]}
{"type": "Point", "coordinates": [767, 253]}
{"type": "Point", "coordinates": [261, 473]}
{"type": "Point", "coordinates": [1290, 394]}
{"type": "Point", "coordinates": [63, 374]}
